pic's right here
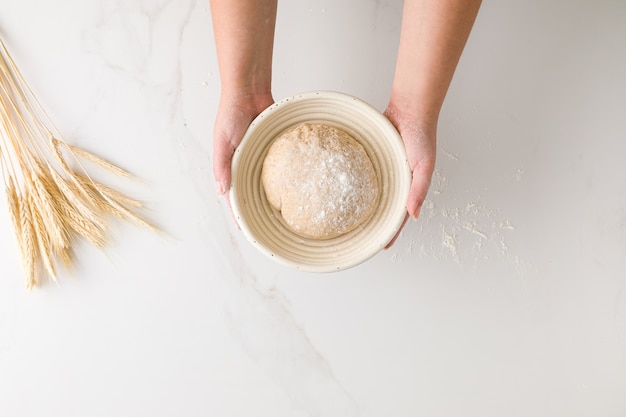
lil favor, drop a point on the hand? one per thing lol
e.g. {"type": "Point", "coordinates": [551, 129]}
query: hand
{"type": "Point", "coordinates": [234, 115]}
{"type": "Point", "coordinates": [420, 142]}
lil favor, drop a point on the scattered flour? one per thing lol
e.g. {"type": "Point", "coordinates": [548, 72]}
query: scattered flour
{"type": "Point", "coordinates": [469, 233]}
{"type": "Point", "coordinates": [438, 183]}
{"type": "Point", "coordinates": [450, 155]}
{"type": "Point", "coordinates": [466, 233]}
{"type": "Point", "coordinates": [449, 242]}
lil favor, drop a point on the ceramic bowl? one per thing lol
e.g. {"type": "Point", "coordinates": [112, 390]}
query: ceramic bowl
{"type": "Point", "coordinates": [264, 226]}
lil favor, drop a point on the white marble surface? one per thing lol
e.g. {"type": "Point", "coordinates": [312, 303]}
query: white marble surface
{"type": "Point", "coordinates": [507, 298]}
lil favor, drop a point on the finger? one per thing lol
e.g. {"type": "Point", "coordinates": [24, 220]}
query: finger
{"type": "Point", "coordinates": [417, 193]}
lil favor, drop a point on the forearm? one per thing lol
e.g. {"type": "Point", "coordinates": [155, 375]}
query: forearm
{"type": "Point", "coordinates": [244, 38]}
{"type": "Point", "coordinates": [433, 35]}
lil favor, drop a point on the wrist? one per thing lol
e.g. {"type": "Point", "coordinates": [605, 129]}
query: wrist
{"type": "Point", "coordinates": [411, 110]}
{"type": "Point", "coordinates": [248, 98]}
{"type": "Point", "coordinates": [245, 88]}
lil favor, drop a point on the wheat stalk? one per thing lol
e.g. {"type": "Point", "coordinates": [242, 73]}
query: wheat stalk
{"type": "Point", "coordinates": [52, 200]}
{"type": "Point", "coordinates": [92, 158]}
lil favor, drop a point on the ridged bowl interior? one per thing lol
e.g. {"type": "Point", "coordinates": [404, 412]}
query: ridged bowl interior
{"type": "Point", "coordinates": [263, 225]}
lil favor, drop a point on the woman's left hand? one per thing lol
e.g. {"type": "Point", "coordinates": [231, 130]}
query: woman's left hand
{"type": "Point", "coordinates": [420, 142]}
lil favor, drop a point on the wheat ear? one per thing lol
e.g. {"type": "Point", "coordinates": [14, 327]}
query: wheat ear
{"type": "Point", "coordinates": [91, 157]}
{"type": "Point", "coordinates": [111, 203]}
{"type": "Point", "coordinates": [51, 216]}
{"type": "Point", "coordinates": [13, 203]}
{"type": "Point", "coordinates": [80, 215]}
{"type": "Point", "coordinates": [51, 204]}
{"type": "Point", "coordinates": [28, 241]}
{"type": "Point", "coordinates": [42, 237]}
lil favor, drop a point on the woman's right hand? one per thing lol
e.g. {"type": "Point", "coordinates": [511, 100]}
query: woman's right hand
{"type": "Point", "coordinates": [234, 115]}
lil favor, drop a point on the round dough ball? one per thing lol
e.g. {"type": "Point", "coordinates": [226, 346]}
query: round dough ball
{"type": "Point", "coordinates": [321, 180]}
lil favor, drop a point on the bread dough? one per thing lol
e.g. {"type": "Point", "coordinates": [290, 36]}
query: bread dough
{"type": "Point", "coordinates": [321, 180]}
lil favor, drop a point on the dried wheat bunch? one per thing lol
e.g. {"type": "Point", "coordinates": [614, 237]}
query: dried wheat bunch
{"type": "Point", "coordinates": [51, 203]}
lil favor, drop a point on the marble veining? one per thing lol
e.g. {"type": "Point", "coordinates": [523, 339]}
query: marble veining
{"type": "Point", "coordinates": [506, 297]}
{"type": "Point", "coordinates": [258, 318]}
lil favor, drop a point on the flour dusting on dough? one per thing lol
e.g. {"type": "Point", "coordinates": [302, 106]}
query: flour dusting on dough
{"type": "Point", "coordinates": [321, 180]}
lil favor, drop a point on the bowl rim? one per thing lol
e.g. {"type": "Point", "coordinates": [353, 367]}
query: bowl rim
{"type": "Point", "coordinates": [235, 204]}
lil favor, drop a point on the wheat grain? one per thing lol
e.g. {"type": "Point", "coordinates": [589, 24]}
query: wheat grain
{"type": "Point", "coordinates": [47, 204]}
{"type": "Point", "coordinates": [42, 236]}
{"type": "Point", "coordinates": [81, 225]}
{"type": "Point", "coordinates": [117, 196]}
{"type": "Point", "coordinates": [79, 199]}
{"type": "Point", "coordinates": [28, 241]}
{"type": "Point", "coordinates": [65, 213]}
{"type": "Point", "coordinates": [110, 204]}
{"type": "Point", "coordinates": [14, 210]}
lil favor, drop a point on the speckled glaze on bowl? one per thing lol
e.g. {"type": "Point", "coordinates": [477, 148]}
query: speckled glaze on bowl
{"type": "Point", "coordinates": [265, 228]}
